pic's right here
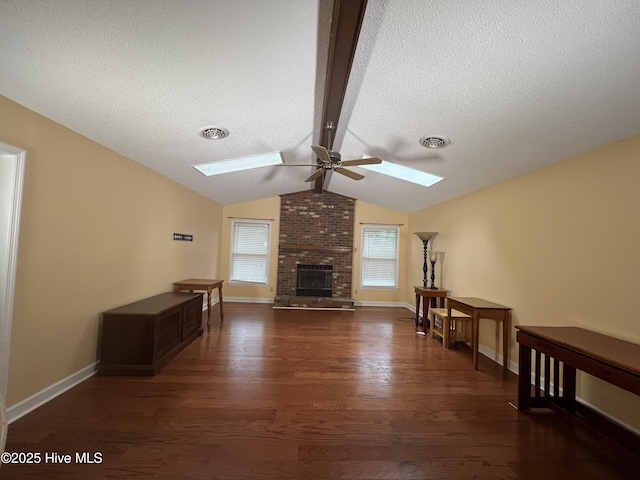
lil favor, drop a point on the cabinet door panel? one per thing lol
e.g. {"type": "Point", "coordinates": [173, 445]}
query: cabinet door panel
{"type": "Point", "coordinates": [127, 341]}
{"type": "Point", "coordinates": [168, 332]}
{"type": "Point", "coordinates": [192, 320]}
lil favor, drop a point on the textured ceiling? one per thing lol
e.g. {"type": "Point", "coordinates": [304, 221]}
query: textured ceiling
{"type": "Point", "coordinates": [515, 85]}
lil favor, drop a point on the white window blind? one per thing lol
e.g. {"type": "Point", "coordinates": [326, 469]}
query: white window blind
{"type": "Point", "coordinates": [249, 251]}
{"type": "Point", "coordinates": [380, 256]}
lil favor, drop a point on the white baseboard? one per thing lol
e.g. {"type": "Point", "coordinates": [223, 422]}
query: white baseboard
{"type": "Point", "coordinates": [214, 301]}
{"type": "Point", "coordinates": [316, 308]}
{"type": "Point", "coordinates": [609, 416]}
{"type": "Point", "coordinates": [20, 409]}
{"type": "Point", "coordinates": [412, 307]}
{"type": "Point", "coordinates": [248, 300]}
{"type": "Point", "coordinates": [356, 303]}
{"type": "Point", "coordinates": [368, 303]}
{"type": "Point", "coordinates": [496, 357]}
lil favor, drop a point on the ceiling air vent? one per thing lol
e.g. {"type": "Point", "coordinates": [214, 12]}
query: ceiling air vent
{"type": "Point", "coordinates": [434, 142]}
{"type": "Point", "coordinates": [214, 133]}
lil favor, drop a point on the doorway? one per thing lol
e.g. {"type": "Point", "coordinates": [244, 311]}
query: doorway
{"type": "Point", "coordinates": [12, 162]}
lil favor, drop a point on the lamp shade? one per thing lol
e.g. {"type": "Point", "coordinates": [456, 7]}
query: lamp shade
{"type": "Point", "coordinates": [426, 236]}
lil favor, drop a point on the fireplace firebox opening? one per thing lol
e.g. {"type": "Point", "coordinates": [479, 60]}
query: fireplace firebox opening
{"type": "Point", "coordinates": [314, 280]}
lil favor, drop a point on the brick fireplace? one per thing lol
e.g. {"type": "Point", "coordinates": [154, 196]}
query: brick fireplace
{"type": "Point", "coordinates": [316, 231]}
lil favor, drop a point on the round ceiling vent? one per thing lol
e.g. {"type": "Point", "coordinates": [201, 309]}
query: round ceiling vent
{"type": "Point", "coordinates": [434, 142]}
{"type": "Point", "coordinates": [214, 133]}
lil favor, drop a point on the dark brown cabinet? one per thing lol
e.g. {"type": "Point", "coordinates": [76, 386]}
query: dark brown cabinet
{"type": "Point", "coordinates": [140, 338]}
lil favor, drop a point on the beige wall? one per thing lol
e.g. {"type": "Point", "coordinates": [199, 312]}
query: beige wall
{"type": "Point", "coordinates": [96, 233]}
{"type": "Point", "coordinates": [559, 245]}
{"type": "Point", "coordinates": [267, 209]}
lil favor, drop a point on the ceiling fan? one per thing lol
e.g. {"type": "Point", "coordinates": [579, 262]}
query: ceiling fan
{"type": "Point", "coordinates": [329, 160]}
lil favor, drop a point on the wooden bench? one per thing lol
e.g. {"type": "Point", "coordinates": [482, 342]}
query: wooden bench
{"type": "Point", "coordinates": [456, 328]}
{"type": "Point", "coordinates": [610, 359]}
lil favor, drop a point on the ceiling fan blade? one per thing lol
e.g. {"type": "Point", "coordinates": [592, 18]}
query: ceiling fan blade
{"type": "Point", "coordinates": [322, 153]}
{"type": "Point", "coordinates": [349, 173]}
{"type": "Point", "coordinates": [315, 175]}
{"type": "Point", "coordinates": [361, 161]}
{"type": "Point", "coordinates": [298, 165]}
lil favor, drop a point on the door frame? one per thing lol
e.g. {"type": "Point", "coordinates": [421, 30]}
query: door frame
{"type": "Point", "coordinates": [12, 163]}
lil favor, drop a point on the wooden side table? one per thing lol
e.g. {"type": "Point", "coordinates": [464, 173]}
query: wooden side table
{"type": "Point", "coordinates": [203, 285]}
{"type": "Point", "coordinates": [433, 295]}
{"type": "Point", "coordinates": [477, 309]}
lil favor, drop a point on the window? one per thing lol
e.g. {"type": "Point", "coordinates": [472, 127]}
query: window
{"type": "Point", "coordinates": [379, 256]}
{"type": "Point", "coordinates": [249, 251]}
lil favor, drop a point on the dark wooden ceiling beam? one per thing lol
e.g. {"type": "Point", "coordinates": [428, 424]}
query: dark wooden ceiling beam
{"type": "Point", "coordinates": [346, 22]}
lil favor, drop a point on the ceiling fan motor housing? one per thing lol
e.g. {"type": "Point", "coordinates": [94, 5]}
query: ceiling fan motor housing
{"type": "Point", "coordinates": [335, 156]}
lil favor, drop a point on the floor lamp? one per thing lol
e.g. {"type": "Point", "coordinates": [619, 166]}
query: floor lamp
{"type": "Point", "coordinates": [425, 237]}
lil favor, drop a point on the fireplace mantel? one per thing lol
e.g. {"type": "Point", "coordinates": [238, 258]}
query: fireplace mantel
{"type": "Point", "coordinates": [314, 248]}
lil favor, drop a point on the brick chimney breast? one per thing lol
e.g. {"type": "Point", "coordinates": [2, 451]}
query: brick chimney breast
{"type": "Point", "coordinates": [316, 229]}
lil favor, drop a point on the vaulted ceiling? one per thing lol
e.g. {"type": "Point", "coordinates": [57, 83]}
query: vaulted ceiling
{"type": "Point", "coordinates": [514, 85]}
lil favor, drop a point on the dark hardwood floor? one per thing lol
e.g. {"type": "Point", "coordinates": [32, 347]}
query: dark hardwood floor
{"type": "Point", "coordinates": [290, 394]}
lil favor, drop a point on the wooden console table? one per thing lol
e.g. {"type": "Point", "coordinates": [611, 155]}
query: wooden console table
{"type": "Point", "coordinates": [194, 285]}
{"type": "Point", "coordinates": [477, 309]}
{"type": "Point", "coordinates": [610, 359]}
{"type": "Point", "coordinates": [434, 296]}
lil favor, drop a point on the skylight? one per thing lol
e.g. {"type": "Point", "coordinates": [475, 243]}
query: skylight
{"type": "Point", "coordinates": [403, 173]}
{"type": "Point", "coordinates": [238, 164]}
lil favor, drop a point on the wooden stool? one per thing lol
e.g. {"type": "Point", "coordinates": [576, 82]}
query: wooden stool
{"type": "Point", "coordinates": [454, 329]}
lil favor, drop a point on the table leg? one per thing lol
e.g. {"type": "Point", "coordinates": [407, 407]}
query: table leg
{"type": "Point", "coordinates": [446, 332]}
{"type": "Point", "coordinates": [432, 322]}
{"type": "Point", "coordinates": [474, 337]}
{"type": "Point", "coordinates": [221, 306]}
{"type": "Point", "coordinates": [418, 310]}
{"type": "Point", "coordinates": [427, 304]}
{"type": "Point", "coordinates": [506, 337]}
{"type": "Point", "coordinates": [569, 387]}
{"type": "Point", "coordinates": [209, 309]}
{"type": "Point", "coordinates": [447, 325]}
{"type": "Point", "coordinates": [524, 378]}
